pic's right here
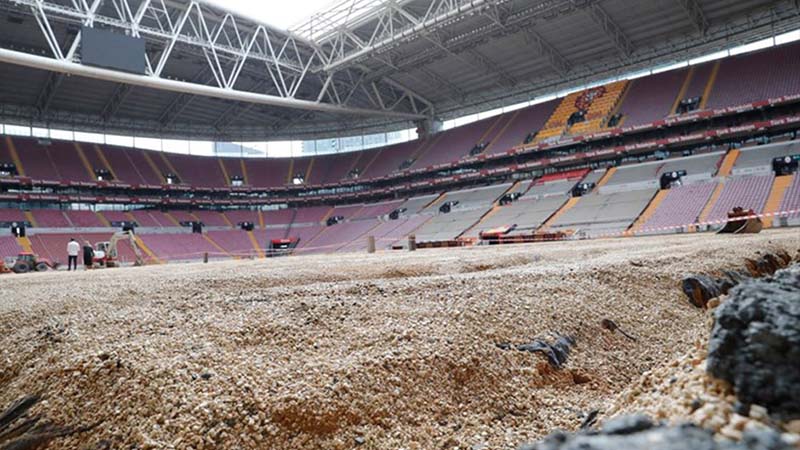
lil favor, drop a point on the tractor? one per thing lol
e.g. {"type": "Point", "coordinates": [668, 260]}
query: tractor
{"type": "Point", "coordinates": [26, 262]}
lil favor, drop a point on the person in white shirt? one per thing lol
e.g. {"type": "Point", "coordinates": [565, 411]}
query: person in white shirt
{"type": "Point", "coordinates": [73, 249]}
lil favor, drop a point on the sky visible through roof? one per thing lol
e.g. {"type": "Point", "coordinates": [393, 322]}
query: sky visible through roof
{"type": "Point", "coordinates": [278, 13]}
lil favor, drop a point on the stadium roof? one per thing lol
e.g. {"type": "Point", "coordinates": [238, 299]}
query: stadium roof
{"type": "Point", "coordinates": [360, 66]}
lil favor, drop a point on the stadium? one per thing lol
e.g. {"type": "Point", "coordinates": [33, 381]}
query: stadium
{"type": "Point", "coordinates": [400, 224]}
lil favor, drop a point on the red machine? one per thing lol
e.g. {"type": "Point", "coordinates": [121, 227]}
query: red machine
{"type": "Point", "coordinates": [26, 262]}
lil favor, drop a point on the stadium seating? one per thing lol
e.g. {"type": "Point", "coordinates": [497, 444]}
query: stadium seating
{"type": "Point", "coordinates": [682, 206]}
{"type": "Point", "coordinates": [50, 218]}
{"type": "Point", "coordinates": [791, 200]}
{"type": "Point", "coordinates": [84, 219]}
{"type": "Point", "coordinates": [235, 242]}
{"type": "Point", "coordinates": [757, 76]}
{"type": "Point", "coordinates": [180, 246]}
{"type": "Point", "coordinates": [523, 122]}
{"type": "Point", "coordinates": [197, 171]}
{"type": "Point", "coordinates": [651, 98]}
{"type": "Point", "coordinates": [417, 204]}
{"type": "Point", "coordinates": [238, 216]}
{"type": "Point", "coordinates": [758, 160]}
{"type": "Point", "coordinates": [526, 214]}
{"type": "Point", "coordinates": [212, 218]}
{"type": "Point", "coordinates": [699, 78]}
{"type": "Point", "coordinates": [9, 247]}
{"type": "Point", "coordinates": [382, 162]}
{"type": "Point", "coordinates": [456, 143]}
{"type": "Point", "coordinates": [597, 214]}
{"type": "Point", "coordinates": [749, 192]}
{"type": "Point", "coordinates": [36, 160]}
{"type": "Point", "coordinates": [12, 215]}
{"type": "Point", "coordinates": [268, 173]}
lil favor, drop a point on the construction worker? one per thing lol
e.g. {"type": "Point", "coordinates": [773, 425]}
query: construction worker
{"type": "Point", "coordinates": [88, 255]}
{"type": "Point", "coordinates": [73, 248]}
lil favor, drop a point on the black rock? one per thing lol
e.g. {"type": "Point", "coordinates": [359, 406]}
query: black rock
{"type": "Point", "coordinates": [651, 437]}
{"type": "Point", "coordinates": [755, 343]}
{"type": "Point", "coordinates": [556, 352]}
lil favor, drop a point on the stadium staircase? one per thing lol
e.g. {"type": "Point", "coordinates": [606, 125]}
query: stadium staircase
{"type": "Point", "coordinates": [104, 160]}
{"type": "Point", "coordinates": [12, 150]}
{"type": "Point", "coordinates": [152, 165]}
{"type": "Point", "coordinates": [244, 172]}
{"type": "Point", "coordinates": [146, 250]}
{"type": "Point", "coordinates": [31, 220]}
{"type": "Point", "coordinates": [256, 247]}
{"type": "Point", "coordinates": [493, 210]}
{"type": "Point", "coordinates": [216, 246]}
{"type": "Point", "coordinates": [502, 132]}
{"type": "Point", "coordinates": [712, 201]}
{"type": "Point", "coordinates": [775, 199]}
{"type": "Point", "coordinates": [652, 207]}
{"type": "Point", "coordinates": [561, 211]}
{"type": "Point", "coordinates": [605, 178]}
{"type": "Point", "coordinates": [225, 174]}
{"type": "Point", "coordinates": [85, 161]}
{"type": "Point", "coordinates": [682, 92]}
{"type": "Point", "coordinates": [25, 244]}
{"type": "Point", "coordinates": [710, 85]}
{"type": "Point", "coordinates": [728, 162]}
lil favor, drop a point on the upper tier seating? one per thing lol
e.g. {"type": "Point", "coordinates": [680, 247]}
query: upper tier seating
{"type": "Point", "coordinates": [385, 161]}
{"type": "Point", "coordinates": [558, 187]}
{"type": "Point", "coordinates": [197, 171]}
{"type": "Point", "coordinates": [757, 76]}
{"type": "Point", "coordinates": [698, 81]}
{"type": "Point", "coordinates": [524, 122]}
{"type": "Point", "coordinates": [35, 160]}
{"type": "Point", "coordinates": [65, 158]}
{"type": "Point", "coordinates": [268, 172]}
{"type": "Point", "coordinates": [334, 168]}
{"type": "Point", "coordinates": [748, 192]}
{"type": "Point", "coordinates": [651, 98]}
{"type": "Point", "coordinates": [456, 143]}
{"type": "Point", "coordinates": [681, 206]}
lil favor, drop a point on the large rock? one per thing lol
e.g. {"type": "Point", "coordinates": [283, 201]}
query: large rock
{"type": "Point", "coordinates": [639, 433]}
{"type": "Point", "coordinates": [755, 343]}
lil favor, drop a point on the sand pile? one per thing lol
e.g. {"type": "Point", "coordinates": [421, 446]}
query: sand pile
{"type": "Point", "coordinates": [383, 351]}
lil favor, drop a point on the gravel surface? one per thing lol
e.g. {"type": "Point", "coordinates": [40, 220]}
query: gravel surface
{"type": "Point", "coordinates": [388, 351]}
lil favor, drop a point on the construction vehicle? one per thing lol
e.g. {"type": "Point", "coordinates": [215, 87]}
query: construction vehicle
{"type": "Point", "coordinates": [741, 221]}
{"type": "Point", "coordinates": [26, 262]}
{"type": "Point", "coordinates": [106, 253]}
